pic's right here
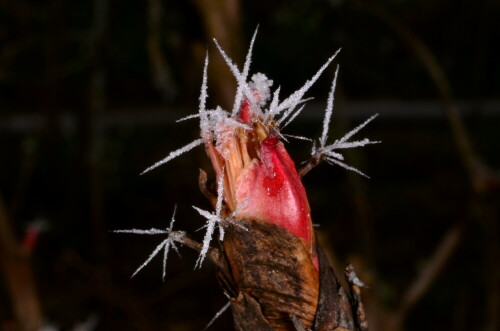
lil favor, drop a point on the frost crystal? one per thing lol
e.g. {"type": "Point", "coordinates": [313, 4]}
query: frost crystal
{"type": "Point", "coordinates": [242, 81]}
{"type": "Point", "coordinates": [217, 315]}
{"type": "Point", "coordinates": [204, 124]}
{"type": "Point", "coordinates": [175, 154]}
{"type": "Point", "coordinates": [172, 237]}
{"type": "Point", "coordinates": [329, 109]}
{"type": "Point", "coordinates": [290, 103]}
{"type": "Point", "coordinates": [262, 86]}
{"type": "Point", "coordinates": [327, 151]}
{"type": "Point", "coordinates": [217, 127]}
{"type": "Point", "coordinates": [212, 219]}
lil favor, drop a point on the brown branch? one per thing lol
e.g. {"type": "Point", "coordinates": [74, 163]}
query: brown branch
{"type": "Point", "coordinates": [213, 253]}
{"type": "Point", "coordinates": [355, 286]}
{"type": "Point", "coordinates": [203, 186]}
{"type": "Point", "coordinates": [18, 277]}
{"type": "Point", "coordinates": [428, 275]}
{"type": "Point", "coordinates": [310, 164]}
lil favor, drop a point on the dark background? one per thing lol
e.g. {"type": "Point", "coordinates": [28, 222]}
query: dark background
{"type": "Point", "coordinates": [89, 95]}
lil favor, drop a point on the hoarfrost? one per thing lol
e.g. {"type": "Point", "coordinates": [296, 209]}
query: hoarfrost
{"type": "Point", "coordinates": [175, 154]}
{"type": "Point", "coordinates": [212, 219]}
{"type": "Point", "coordinates": [165, 245]}
{"type": "Point", "coordinates": [293, 100]}
{"type": "Point", "coordinates": [262, 85]}
{"type": "Point", "coordinates": [217, 315]}
{"type": "Point", "coordinates": [218, 125]}
{"type": "Point", "coordinates": [204, 124]}
{"type": "Point", "coordinates": [242, 81]}
{"type": "Point", "coordinates": [327, 151]}
{"type": "Point", "coordinates": [329, 109]}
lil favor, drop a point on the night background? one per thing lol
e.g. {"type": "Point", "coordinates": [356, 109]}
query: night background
{"type": "Point", "coordinates": [89, 95]}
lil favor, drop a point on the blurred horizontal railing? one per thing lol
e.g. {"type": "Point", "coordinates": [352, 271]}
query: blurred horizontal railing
{"type": "Point", "coordinates": [145, 117]}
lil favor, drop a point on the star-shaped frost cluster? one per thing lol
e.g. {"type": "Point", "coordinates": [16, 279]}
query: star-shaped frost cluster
{"type": "Point", "coordinates": [172, 238]}
{"type": "Point", "coordinates": [266, 107]}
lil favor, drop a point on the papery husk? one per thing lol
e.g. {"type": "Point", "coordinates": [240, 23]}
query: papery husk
{"type": "Point", "coordinates": [272, 281]}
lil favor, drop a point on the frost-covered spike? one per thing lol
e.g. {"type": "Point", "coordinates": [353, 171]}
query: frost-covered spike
{"type": "Point", "coordinates": [291, 118]}
{"type": "Point", "coordinates": [174, 154]}
{"type": "Point", "coordinates": [345, 166]}
{"type": "Point", "coordinates": [174, 246]}
{"type": "Point", "coordinates": [243, 76]}
{"type": "Point", "coordinates": [221, 232]}
{"type": "Point", "coordinates": [188, 117]}
{"type": "Point", "coordinates": [138, 231]}
{"type": "Point", "coordinates": [212, 219]}
{"type": "Point", "coordinates": [293, 99]}
{"type": "Point", "coordinates": [356, 129]}
{"type": "Point", "coordinates": [220, 193]}
{"type": "Point", "coordinates": [291, 110]}
{"type": "Point", "coordinates": [239, 208]}
{"type": "Point", "coordinates": [165, 255]}
{"type": "Point", "coordinates": [281, 136]}
{"type": "Point", "coordinates": [335, 155]}
{"type": "Point", "coordinates": [204, 123]}
{"type": "Point", "coordinates": [232, 67]}
{"type": "Point", "coordinates": [297, 137]}
{"type": "Point", "coordinates": [151, 256]}
{"type": "Point", "coordinates": [329, 109]}
{"type": "Point", "coordinates": [206, 242]}
{"type": "Point", "coordinates": [204, 213]}
{"type": "Point", "coordinates": [314, 149]}
{"type": "Point", "coordinates": [235, 71]}
{"type": "Point", "coordinates": [350, 144]}
{"type": "Point", "coordinates": [274, 103]}
{"type": "Point", "coordinates": [217, 315]}
{"type": "Point", "coordinates": [234, 123]}
{"type": "Point", "coordinates": [172, 220]}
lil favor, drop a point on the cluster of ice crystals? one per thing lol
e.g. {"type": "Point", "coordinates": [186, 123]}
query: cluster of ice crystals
{"type": "Point", "coordinates": [262, 87]}
{"type": "Point", "coordinates": [215, 218]}
{"type": "Point", "coordinates": [328, 151]}
{"type": "Point", "coordinates": [289, 105]}
{"type": "Point", "coordinates": [172, 238]}
{"type": "Point", "coordinates": [219, 125]}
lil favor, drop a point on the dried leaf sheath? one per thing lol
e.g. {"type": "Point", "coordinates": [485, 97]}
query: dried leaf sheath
{"type": "Point", "coordinates": [271, 280]}
{"type": "Point", "coordinates": [275, 268]}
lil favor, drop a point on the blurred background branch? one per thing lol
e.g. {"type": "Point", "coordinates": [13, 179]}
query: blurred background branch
{"type": "Point", "coordinates": [18, 277]}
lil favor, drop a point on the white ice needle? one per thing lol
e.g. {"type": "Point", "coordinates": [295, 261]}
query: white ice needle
{"type": "Point", "coordinates": [172, 237]}
{"type": "Point", "coordinates": [212, 219]}
{"type": "Point", "coordinates": [328, 151]}
{"type": "Point", "coordinates": [175, 154]}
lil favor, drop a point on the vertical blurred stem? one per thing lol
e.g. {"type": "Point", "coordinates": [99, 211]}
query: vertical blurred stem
{"type": "Point", "coordinates": [222, 20]}
{"type": "Point", "coordinates": [470, 159]}
{"type": "Point", "coordinates": [363, 219]}
{"type": "Point", "coordinates": [159, 68]}
{"type": "Point", "coordinates": [97, 100]}
{"type": "Point", "coordinates": [358, 194]}
{"type": "Point", "coordinates": [18, 277]}
{"type": "Point", "coordinates": [482, 179]}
